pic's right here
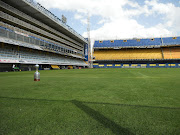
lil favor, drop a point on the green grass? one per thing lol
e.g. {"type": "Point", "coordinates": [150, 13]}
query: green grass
{"type": "Point", "coordinates": [91, 101]}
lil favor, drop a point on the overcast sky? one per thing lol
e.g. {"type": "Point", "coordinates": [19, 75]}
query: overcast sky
{"type": "Point", "coordinates": [119, 19]}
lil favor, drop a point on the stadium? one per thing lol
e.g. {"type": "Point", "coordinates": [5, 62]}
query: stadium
{"type": "Point", "coordinates": [122, 87]}
{"type": "Point", "coordinates": [137, 53]}
{"type": "Point", "coordinates": [33, 35]}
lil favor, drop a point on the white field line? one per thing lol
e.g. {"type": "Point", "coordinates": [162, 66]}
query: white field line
{"type": "Point", "coordinates": [143, 75]}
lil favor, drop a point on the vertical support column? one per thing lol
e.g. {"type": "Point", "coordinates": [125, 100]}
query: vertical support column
{"type": "Point", "coordinates": [18, 51]}
{"type": "Point", "coordinates": [162, 53]}
{"type": "Point", "coordinates": [2, 45]}
{"type": "Point", "coordinates": [162, 41]}
{"type": "Point", "coordinates": [170, 53]}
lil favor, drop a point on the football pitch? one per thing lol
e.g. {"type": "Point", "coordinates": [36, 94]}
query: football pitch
{"type": "Point", "coordinates": [91, 102]}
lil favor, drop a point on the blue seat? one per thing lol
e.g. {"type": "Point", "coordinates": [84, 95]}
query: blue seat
{"type": "Point", "coordinates": [138, 43]}
{"type": "Point", "coordinates": [171, 41]}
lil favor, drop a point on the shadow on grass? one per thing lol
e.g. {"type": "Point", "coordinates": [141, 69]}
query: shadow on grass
{"type": "Point", "coordinates": [35, 99]}
{"type": "Point", "coordinates": [107, 123]}
{"type": "Point", "coordinates": [137, 106]}
{"type": "Point", "coordinates": [125, 105]}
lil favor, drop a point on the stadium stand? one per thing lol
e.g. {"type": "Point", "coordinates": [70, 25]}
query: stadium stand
{"type": "Point", "coordinates": [128, 54]}
{"type": "Point", "coordinates": [33, 35]}
{"type": "Point", "coordinates": [137, 53]}
{"type": "Point", "coordinates": [171, 53]}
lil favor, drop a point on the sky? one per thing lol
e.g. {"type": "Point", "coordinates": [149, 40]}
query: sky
{"type": "Point", "coordinates": [119, 19]}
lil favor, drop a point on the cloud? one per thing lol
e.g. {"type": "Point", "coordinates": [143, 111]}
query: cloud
{"type": "Point", "coordinates": [83, 19]}
{"type": "Point", "coordinates": [78, 16]}
{"type": "Point", "coordinates": [127, 28]}
{"type": "Point", "coordinates": [119, 18]}
{"type": "Point", "coordinates": [170, 12]}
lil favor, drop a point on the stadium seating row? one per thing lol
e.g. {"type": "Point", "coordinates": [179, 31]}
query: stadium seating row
{"type": "Point", "coordinates": [128, 54]}
{"type": "Point", "coordinates": [137, 42]}
{"type": "Point", "coordinates": [171, 53]}
{"type": "Point", "coordinates": [168, 53]}
{"type": "Point", "coordinates": [35, 56]}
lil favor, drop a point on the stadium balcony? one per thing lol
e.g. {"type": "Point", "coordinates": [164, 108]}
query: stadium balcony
{"type": "Point", "coordinates": [33, 21]}
{"type": "Point", "coordinates": [22, 39]}
{"type": "Point", "coordinates": [136, 43]}
{"type": "Point", "coordinates": [35, 36]}
{"type": "Point", "coordinates": [171, 41]}
{"type": "Point", "coordinates": [24, 25]}
{"type": "Point", "coordinates": [40, 13]}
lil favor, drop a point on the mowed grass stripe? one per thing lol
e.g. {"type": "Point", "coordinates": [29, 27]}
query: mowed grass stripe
{"type": "Point", "coordinates": [140, 76]}
{"type": "Point", "coordinates": [91, 101]}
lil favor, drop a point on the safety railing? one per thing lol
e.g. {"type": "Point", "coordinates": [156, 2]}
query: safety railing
{"type": "Point", "coordinates": [20, 31]}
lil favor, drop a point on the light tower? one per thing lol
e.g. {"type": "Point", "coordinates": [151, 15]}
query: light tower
{"type": "Point", "coordinates": [89, 42]}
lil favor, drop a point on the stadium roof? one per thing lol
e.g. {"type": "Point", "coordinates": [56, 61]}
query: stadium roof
{"type": "Point", "coordinates": [40, 13]}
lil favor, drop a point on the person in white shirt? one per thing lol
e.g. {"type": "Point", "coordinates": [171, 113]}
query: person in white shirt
{"type": "Point", "coordinates": [13, 67]}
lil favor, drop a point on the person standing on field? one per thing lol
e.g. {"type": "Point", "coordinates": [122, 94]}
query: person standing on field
{"type": "Point", "coordinates": [13, 67]}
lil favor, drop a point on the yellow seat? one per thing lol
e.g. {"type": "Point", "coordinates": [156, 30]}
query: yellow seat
{"type": "Point", "coordinates": [171, 53]}
{"type": "Point", "coordinates": [128, 54]}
